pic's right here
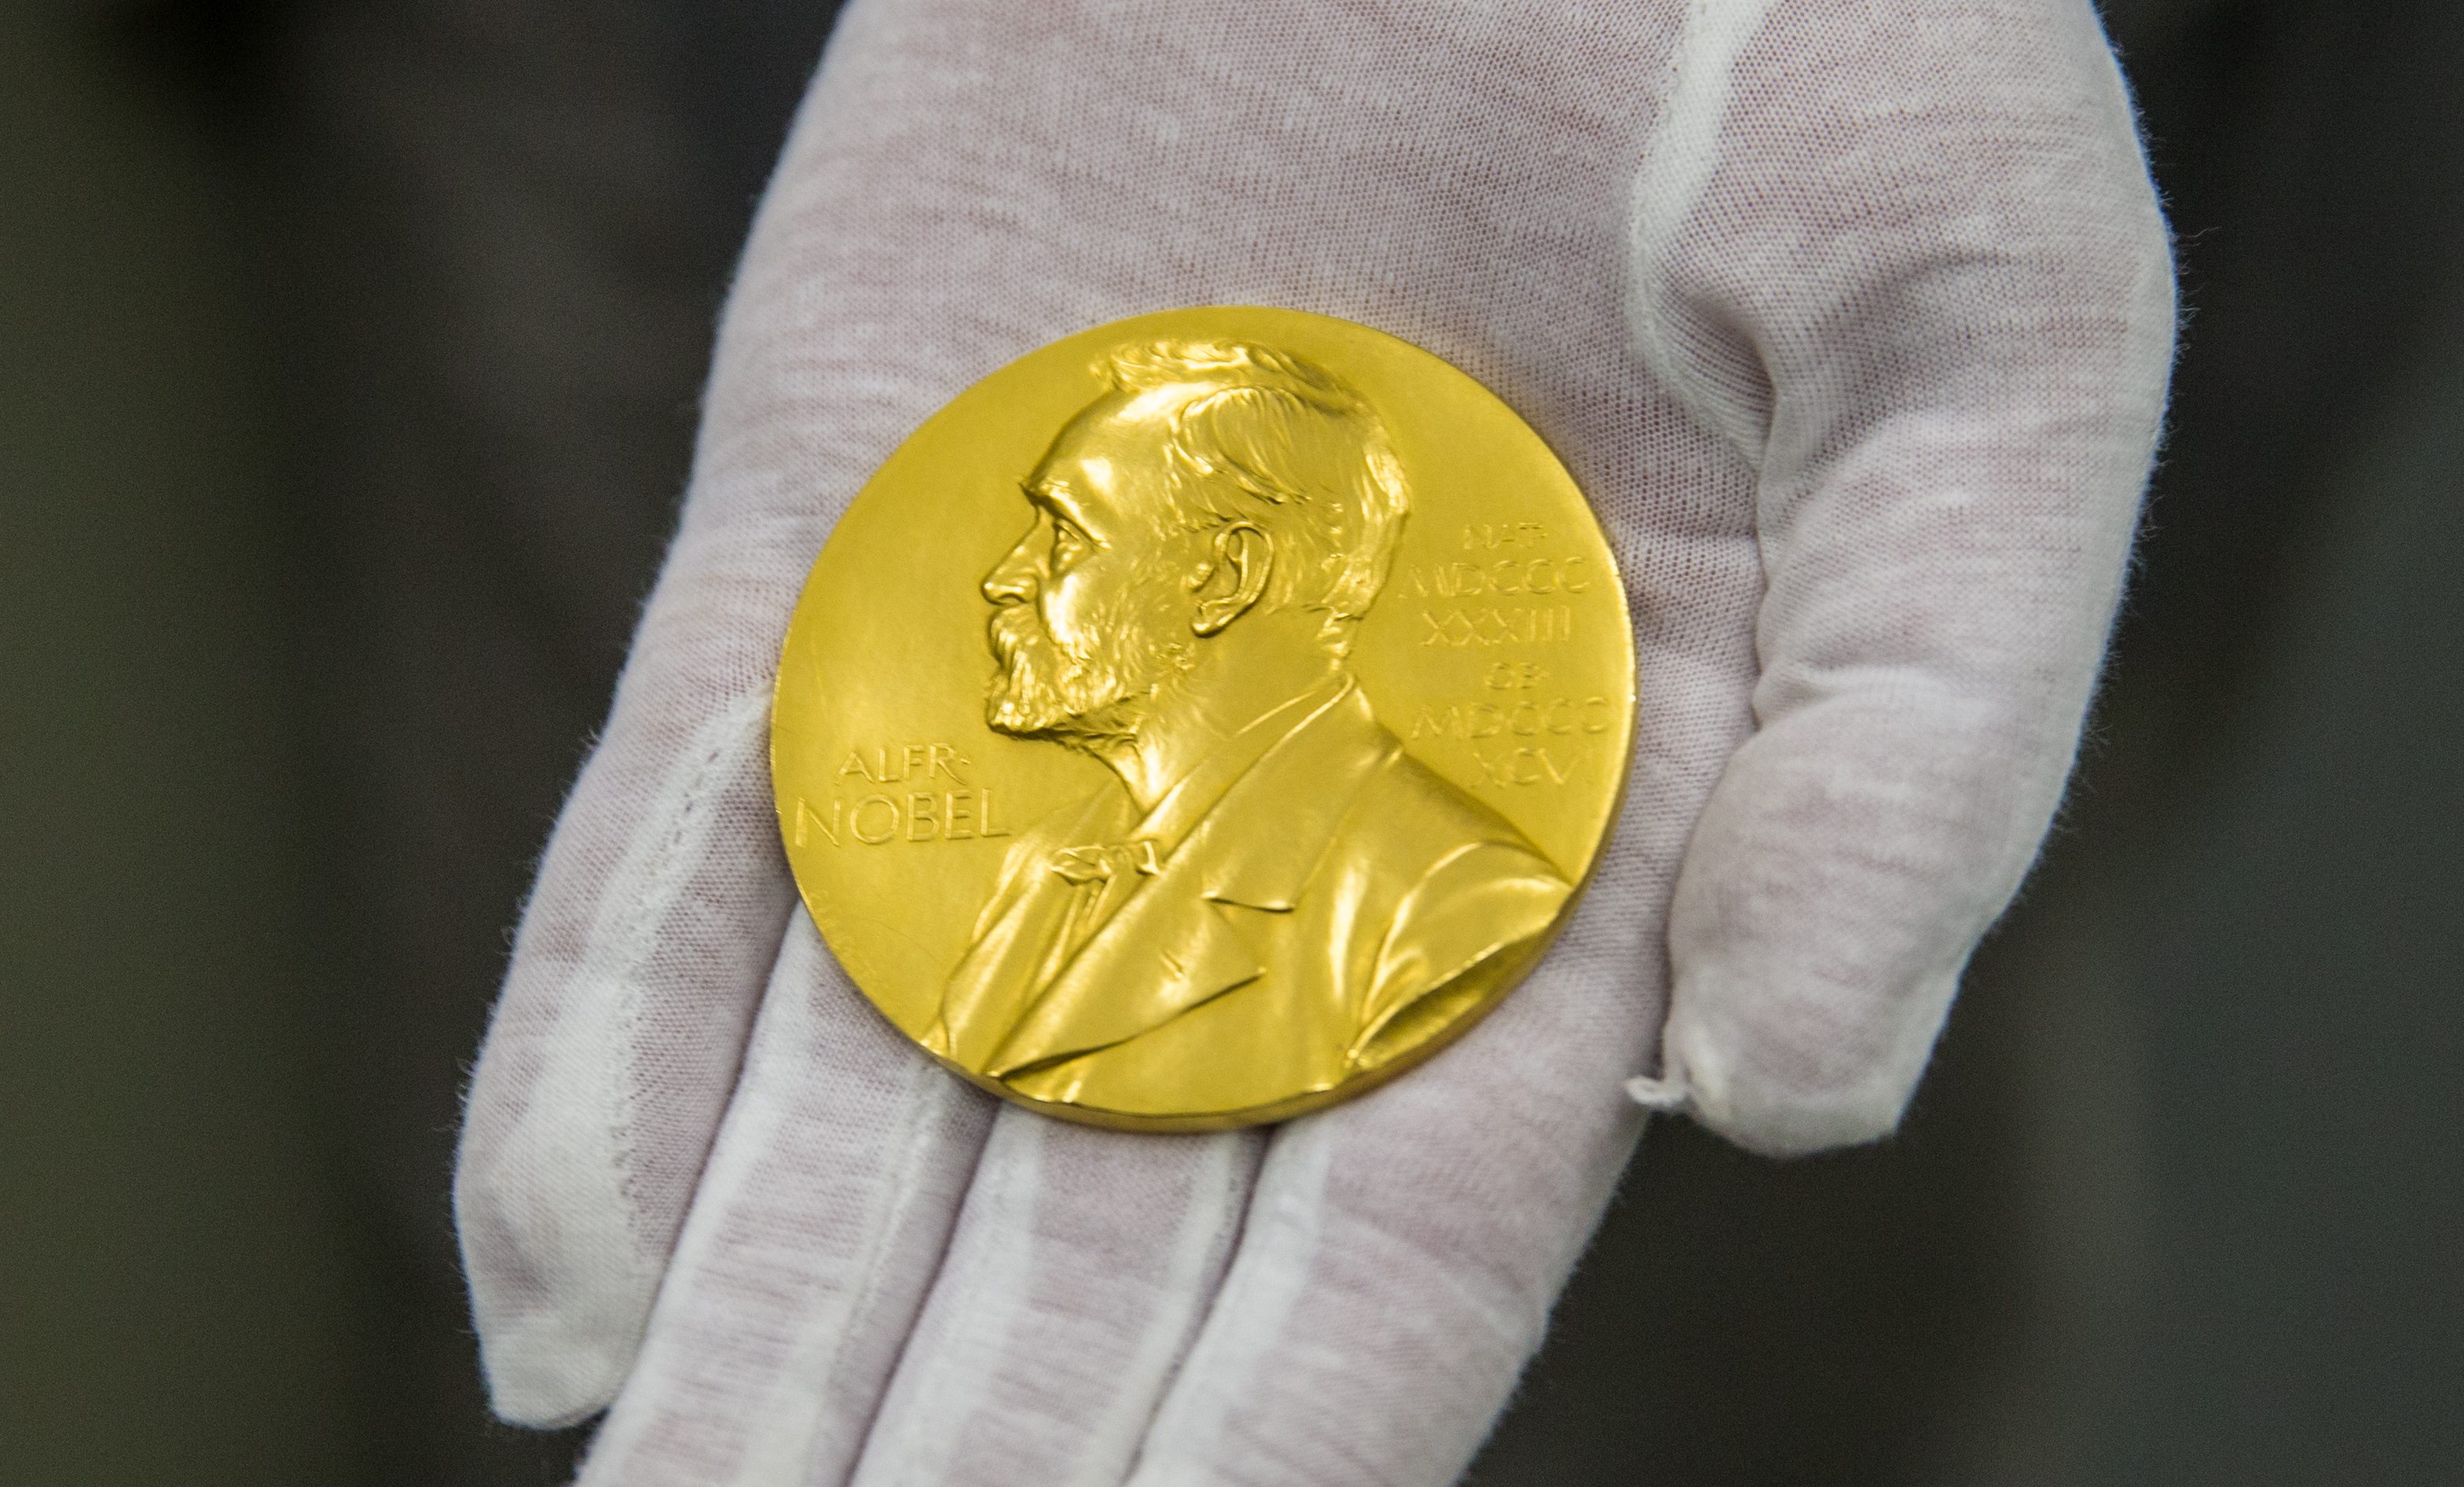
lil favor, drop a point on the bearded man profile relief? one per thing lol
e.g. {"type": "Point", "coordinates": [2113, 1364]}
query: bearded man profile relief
{"type": "Point", "coordinates": [1272, 896]}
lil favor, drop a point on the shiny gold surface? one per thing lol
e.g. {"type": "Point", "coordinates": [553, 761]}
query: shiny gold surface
{"type": "Point", "coordinates": [1203, 717]}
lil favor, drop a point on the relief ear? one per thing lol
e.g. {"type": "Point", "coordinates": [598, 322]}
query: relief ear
{"type": "Point", "coordinates": [1234, 578]}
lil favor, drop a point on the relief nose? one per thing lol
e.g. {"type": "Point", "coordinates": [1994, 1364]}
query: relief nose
{"type": "Point", "coordinates": [1013, 579]}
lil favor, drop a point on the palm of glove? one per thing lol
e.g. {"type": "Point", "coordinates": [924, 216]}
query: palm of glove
{"type": "Point", "coordinates": [1853, 322]}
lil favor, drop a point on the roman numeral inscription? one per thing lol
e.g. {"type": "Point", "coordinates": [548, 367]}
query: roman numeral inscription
{"type": "Point", "coordinates": [1516, 589]}
{"type": "Point", "coordinates": [1538, 740]}
{"type": "Point", "coordinates": [1528, 718]}
{"type": "Point", "coordinates": [1511, 577]}
{"type": "Point", "coordinates": [1497, 624]}
{"type": "Point", "coordinates": [1539, 765]}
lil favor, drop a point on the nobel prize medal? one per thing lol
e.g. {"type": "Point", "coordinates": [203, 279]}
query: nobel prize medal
{"type": "Point", "coordinates": [1203, 718]}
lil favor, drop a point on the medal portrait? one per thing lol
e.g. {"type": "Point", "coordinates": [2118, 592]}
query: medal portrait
{"type": "Point", "coordinates": [1203, 717]}
{"type": "Point", "coordinates": [1269, 894]}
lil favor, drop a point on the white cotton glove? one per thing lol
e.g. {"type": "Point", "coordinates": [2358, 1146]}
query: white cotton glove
{"type": "Point", "coordinates": [1852, 318]}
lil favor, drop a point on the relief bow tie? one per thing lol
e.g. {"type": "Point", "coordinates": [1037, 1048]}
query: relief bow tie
{"type": "Point", "coordinates": [1102, 860]}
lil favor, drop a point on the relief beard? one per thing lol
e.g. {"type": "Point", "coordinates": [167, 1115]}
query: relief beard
{"type": "Point", "coordinates": [1088, 699]}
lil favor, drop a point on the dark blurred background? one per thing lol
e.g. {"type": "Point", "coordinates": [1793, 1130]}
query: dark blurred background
{"type": "Point", "coordinates": [348, 363]}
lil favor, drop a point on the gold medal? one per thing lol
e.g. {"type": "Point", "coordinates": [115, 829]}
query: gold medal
{"type": "Point", "coordinates": [1203, 718]}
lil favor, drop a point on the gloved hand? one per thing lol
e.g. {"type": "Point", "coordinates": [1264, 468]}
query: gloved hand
{"type": "Point", "coordinates": [1852, 319]}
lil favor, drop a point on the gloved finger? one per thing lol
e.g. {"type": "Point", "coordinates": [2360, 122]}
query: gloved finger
{"type": "Point", "coordinates": [1943, 330]}
{"type": "Point", "coordinates": [1080, 1270]}
{"type": "Point", "coordinates": [613, 1046]}
{"type": "Point", "coordinates": [815, 1232]}
{"type": "Point", "coordinates": [1402, 1252]}
{"type": "Point", "coordinates": [663, 894]}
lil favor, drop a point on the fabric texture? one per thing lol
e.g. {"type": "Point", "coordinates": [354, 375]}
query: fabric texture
{"type": "Point", "coordinates": [1853, 321]}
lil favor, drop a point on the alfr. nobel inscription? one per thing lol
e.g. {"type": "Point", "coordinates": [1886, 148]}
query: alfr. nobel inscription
{"type": "Point", "coordinates": [878, 819]}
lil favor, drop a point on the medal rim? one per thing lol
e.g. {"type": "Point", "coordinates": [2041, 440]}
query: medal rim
{"type": "Point", "coordinates": [1529, 956]}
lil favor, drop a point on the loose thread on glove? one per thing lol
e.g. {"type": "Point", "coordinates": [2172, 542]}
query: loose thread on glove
{"type": "Point", "coordinates": [1665, 1096]}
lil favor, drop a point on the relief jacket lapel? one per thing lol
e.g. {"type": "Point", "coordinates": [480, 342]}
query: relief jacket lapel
{"type": "Point", "coordinates": [1171, 947]}
{"type": "Point", "coordinates": [990, 985]}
